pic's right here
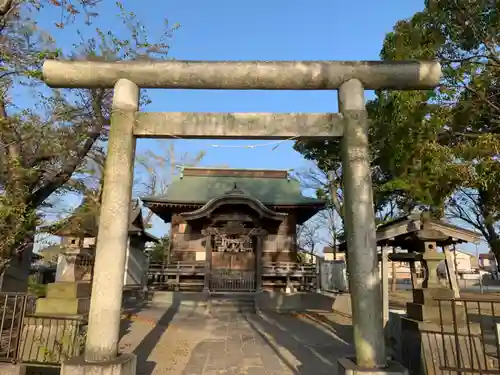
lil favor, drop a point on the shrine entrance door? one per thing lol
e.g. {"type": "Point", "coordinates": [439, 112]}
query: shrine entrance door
{"type": "Point", "coordinates": [233, 267]}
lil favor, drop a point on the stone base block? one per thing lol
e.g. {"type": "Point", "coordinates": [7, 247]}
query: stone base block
{"type": "Point", "coordinates": [80, 289]}
{"type": "Point", "coordinates": [12, 369]}
{"type": "Point", "coordinates": [179, 299]}
{"type": "Point", "coordinates": [428, 296]}
{"type": "Point", "coordinates": [293, 302]}
{"type": "Point", "coordinates": [63, 306]}
{"type": "Point", "coordinates": [125, 364]}
{"type": "Point", "coordinates": [347, 366]}
{"type": "Point", "coordinates": [424, 313]}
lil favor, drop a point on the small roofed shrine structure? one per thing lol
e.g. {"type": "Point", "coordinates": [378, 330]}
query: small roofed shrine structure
{"type": "Point", "coordinates": [423, 237]}
{"type": "Point", "coordinates": [78, 234]}
{"type": "Point", "coordinates": [436, 310]}
{"type": "Point", "coordinates": [237, 225]}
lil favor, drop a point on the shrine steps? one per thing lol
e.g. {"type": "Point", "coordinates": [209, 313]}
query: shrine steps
{"type": "Point", "coordinates": [212, 302]}
{"type": "Point", "coordinates": [243, 302]}
{"type": "Point", "coordinates": [278, 301]}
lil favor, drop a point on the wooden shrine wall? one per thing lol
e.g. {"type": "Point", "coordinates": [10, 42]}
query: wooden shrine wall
{"type": "Point", "coordinates": [188, 244]}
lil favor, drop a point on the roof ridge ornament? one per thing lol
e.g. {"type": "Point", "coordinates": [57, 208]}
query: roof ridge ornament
{"type": "Point", "coordinates": [235, 190]}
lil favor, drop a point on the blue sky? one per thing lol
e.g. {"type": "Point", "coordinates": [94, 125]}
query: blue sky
{"type": "Point", "coordinates": [254, 30]}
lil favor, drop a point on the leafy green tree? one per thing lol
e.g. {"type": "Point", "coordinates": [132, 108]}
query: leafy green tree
{"type": "Point", "coordinates": [465, 109]}
{"type": "Point", "coordinates": [439, 148]}
{"type": "Point", "coordinates": [159, 252]}
{"type": "Point", "coordinates": [44, 146]}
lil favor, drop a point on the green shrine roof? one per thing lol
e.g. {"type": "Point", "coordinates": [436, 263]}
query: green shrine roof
{"type": "Point", "coordinates": [200, 185]}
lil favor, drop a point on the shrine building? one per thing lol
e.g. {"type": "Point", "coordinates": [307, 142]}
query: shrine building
{"type": "Point", "coordinates": [234, 221]}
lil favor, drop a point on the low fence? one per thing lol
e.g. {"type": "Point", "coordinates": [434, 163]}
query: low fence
{"type": "Point", "coordinates": [484, 284]}
{"type": "Point", "coordinates": [12, 310]}
{"type": "Point", "coordinates": [176, 275]}
{"type": "Point", "coordinates": [191, 275]}
{"type": "Point", "coordinates": [470, 335]}
{"type": "Point", "coordinates": [37, 340]}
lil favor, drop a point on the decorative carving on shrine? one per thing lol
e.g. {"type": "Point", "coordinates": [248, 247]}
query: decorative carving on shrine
{"type": "Point", "coordinates": [234, 237]}
{"type": "Point", "coordinates": [234, 228]}
{"type": "Point", "coordinates": [233, 243]}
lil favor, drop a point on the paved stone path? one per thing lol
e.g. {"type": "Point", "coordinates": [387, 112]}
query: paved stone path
{"type": "Point", "coordinates": [188, 341]}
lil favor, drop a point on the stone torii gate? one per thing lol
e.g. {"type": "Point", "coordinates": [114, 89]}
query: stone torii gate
{"type": "Point", "coordinates": [127, 124]}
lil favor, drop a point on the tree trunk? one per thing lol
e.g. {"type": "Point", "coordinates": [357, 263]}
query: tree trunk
{"type": "Point", "coordinates": [495, 249]}
{"type": "Point", "coordinates": [491, 235]}
{"type": "Point", "coordinates": [4, 263]}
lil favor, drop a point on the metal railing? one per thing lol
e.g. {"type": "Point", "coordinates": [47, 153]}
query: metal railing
{"type": "Point", "coordinates": [12, 310]}
{"type": "Point", "coordinates": [36, 340]}
{"type": "Point", "coordinates": [470, 335]}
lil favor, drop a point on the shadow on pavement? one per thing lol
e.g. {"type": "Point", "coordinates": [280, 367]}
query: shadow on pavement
{"type": "Point", "coordinates": [148, 343]}
{"type": "Point", "coordinates": [314, 342]}
{"type": "Point", "coordinates": [270, 342]}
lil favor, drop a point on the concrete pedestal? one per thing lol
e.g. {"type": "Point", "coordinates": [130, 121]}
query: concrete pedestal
{"type": "Point", "coordinates": [425, 306]}
{"type": "Point", "coordinates": [12, 369]}
{"type": "Point", "coordinates": [347, 366]}
{"type": "Point", "coordinates": [124, 364]}
{"type": "Point", "coordinates": [65, 298]}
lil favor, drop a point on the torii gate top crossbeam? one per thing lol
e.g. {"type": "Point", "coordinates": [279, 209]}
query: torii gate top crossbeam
{"type": "Point", "coordinates": [244, 75]}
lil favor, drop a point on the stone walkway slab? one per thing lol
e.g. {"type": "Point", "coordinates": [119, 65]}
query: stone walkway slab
{"type": "Point", "coordinates": [188, 341]}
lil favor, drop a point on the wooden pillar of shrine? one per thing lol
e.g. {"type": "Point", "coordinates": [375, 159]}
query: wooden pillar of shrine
{"type": "Point", "coordinates": [259, 236]}
{"type": "Point", "coordinates": [208, 232]}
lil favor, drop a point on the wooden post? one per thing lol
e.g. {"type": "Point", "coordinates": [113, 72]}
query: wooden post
{"type": "Point", "coordinates": [178, 277]}
{"type": "Point", "coordinates": [318, 274]}
{"type": "Point", "coordinates": [385, 283]}
{"type": "Point", "coordinates": [394, 277]}
{"type": "Point", "coordinates": [208, 259]}
{"type": "Point", "coordinates": [413, 275]}
{"type": "Point", "coordinates": [288, 286]}
{"type": "Point", "coordinates": [451, 271]}
{"type": "Point", "coordinates": [258, 259]}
